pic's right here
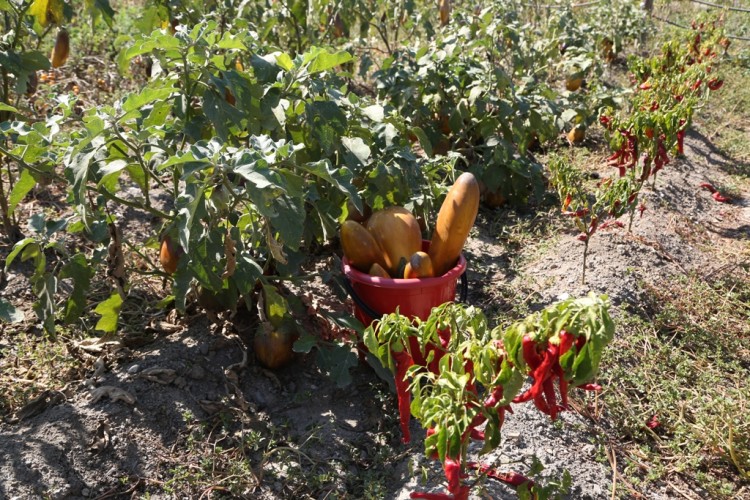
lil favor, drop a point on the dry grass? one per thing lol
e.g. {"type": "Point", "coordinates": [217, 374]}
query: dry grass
{"type": "Point", "coordinates": [677, 387]}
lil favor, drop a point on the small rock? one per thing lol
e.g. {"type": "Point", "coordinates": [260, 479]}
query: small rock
{"type": "Point", "coordinates": [180, 382]}
{"type": "Point", "coordinates": [203, 349]}
{"type": "Point", "coordinates": [134, 369]}
{"type": "Point", "coordinates": [85, 492]}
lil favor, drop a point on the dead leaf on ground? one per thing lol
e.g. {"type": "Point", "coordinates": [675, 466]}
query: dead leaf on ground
{"type": "Point", "coordinates": [212, 407]}
{"type": "Point", "coordinates": [101, 438]}
{"type": "Point", "coordinates": [164, 376]}
{"type": "Point", "coordinates": [39, 404]}
{"type": "Point", "coordinates": [160, 326]}
{"type": "Point", "coordinates": [97, 346]}
{"type": "Point", "coordinates": [113, 393]}
{"type": "Point", "coordinates": [99, 367]}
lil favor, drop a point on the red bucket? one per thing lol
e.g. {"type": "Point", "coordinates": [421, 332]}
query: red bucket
{"type": "Point", "coordinates": [412, 297]}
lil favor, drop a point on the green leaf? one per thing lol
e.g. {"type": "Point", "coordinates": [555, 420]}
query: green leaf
{"type": "Point", "coordinates": [321, 60]}
{"type": "Point", "coordinates": [188, 157]}
{"type": "Point", "coordinates": [47, 11]}
{"type": "Point", "coordinates": [34, 60]}
{"type": "Point", "coordinates": [568, 115]}
{"type": "Point", "coordinates": [305, 343]}
{"type": "Point", "coordinates": [96, 8]}
{"type": "Point", "coordinates": [276, 306]}
{"type": "Point", "coordinates": [45, 287]}
{"type": "Point", "coordinates": [17, 249]}
{"type": "Point", "coordinates": [283, 60]}
{"type": "Point", "coordinates": [381, 371]}
{"type": "Point", "coordinates": [79, 270]}
{"type": "Point", "coordinates": [25, 183]}
{"type": "Point", "coordinates": [357, 147]}
{"type": "Point", "coordinates": [346, 320]}
{"type": "Point", "coordinates": [220, 113]}
{"type": "Point", "coordinates": [7, 107]}
{"type": "Point", "coordinates": [135, 102]}
{"type": "Point", "coordinates": [336, 362]}
{"type": "Point", "coordinates": [375, 112]}
{"type": "Point", "coordinates": [424, 141]}
{"type": "Point", "coordinates": [110, 311]}
{"type": "Point", "coordinates": [328, 124]}
{"type": "Point", "coordinates": [230, 41]}
{"type": "Point", "coordinates": [10, 314]}
{"type": "Point", "coordinates": [342, 178]}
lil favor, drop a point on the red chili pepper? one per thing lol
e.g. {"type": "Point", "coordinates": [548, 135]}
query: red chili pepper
{"type": "Point", "coordinates": [654, 106]}
{"type": "Point", "coordinates": [715, 84]}
{"type": "Point", "coordinates": [539, 365]}
{"type": "Point", "coordinates": [510, 478]}
{"type": "Point", "coordinates": [549, 394]}
{"type": "Point", "coordinates": [710, 187]}
{"type": "Point", "coordinates": [566, 203]}
{"type": "Point", "coordinates": [653, 422]}
{"type": "Point", "coordinates": [581, 212]}
{"type": "Point", "coordinates": [641, 209]}
{"type": "Point", "coordinates": [580, 342]}
{"type": "Point", "coordinates": [471, 431]}
{"type": "Point", "coordinates": [452, 468]}
{"type": "Point", "coordinates": [696, 85]}
{"type": "Point", "coordinates": [645, 86]}
{"type": "Point", "coordinates": [495, 396]}
{"type": "Point", "coordinates": [403, 362]}
{"type": "Point", "coordinates": [563, 384]}
{"type": "Point", "coordinates": [615, 156]}
{"type": "Point", "coordinates": [530, 353]}
{"type": "Point", "coordinates": [646, 169]}
{"type": "Point", "coordinates": [590, 387]}
{"type": "Point", "coordinates": [582, 237]}
{"type": "Point", "coordinates": [679, 98]}
{"type": "Point", "coordinates": [430, 496]}
{"type": "Point", "coordinates": [541, 404]}
{"type": "Point", "coordinates": [429, 433]}
{"type": "Point", "coordinates": [720, 197]}
{"type": "Point", "coordinates": [566, 341]}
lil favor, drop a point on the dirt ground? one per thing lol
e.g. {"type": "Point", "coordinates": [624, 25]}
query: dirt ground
{"type": "Point", "coordinates": [141, 420]}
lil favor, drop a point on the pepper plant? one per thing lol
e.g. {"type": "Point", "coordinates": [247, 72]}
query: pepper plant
{"type": "Point", "coordinates": [472, 374]}
{"type": "Point", "coordinates": [667, 89]}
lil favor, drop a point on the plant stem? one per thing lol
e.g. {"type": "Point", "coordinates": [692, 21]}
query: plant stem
{"type": "Point", "coordinates": [7, 223]}
{"type": "Point", "coordinates": [585, 255]}
{"type": "Point", "coordinates": [630, 222]}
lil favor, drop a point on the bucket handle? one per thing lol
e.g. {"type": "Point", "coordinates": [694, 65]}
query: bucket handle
{"type": "Point", "coordinates": [463, 294]}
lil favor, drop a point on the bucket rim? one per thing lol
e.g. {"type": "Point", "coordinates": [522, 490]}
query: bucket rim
{"type": "Point", "coordinates": [404, 283]}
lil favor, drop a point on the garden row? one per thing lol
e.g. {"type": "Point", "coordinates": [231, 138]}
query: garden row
{"type": "Point", "coordinates": [261, 130]}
